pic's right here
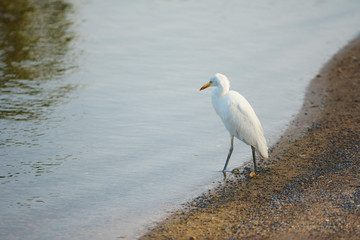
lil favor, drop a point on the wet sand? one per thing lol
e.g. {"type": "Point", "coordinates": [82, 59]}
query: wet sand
{"type": "Point", "coordinates": [310, 186]}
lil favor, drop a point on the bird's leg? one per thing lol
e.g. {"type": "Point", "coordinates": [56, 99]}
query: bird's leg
{"type": "Point", "coordinates": [230, 152]}
{"type": "Point", "coordinates": [254, 158]}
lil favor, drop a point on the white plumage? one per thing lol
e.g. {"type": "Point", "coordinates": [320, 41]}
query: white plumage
{"type": "Point", "coordinates": [238, 117]}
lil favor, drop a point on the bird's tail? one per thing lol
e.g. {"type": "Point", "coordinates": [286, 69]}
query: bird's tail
{"type": "Point", "coordinates": [263, 149]}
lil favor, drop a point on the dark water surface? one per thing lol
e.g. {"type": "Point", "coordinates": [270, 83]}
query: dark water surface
{"type": "Point", "coordinates": [103, 128]}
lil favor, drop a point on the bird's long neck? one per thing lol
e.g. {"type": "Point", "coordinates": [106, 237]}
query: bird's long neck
{"type": "Point", "coordinates": [222, 89]}
{"type": "Point", "coordinates": [220, 93]}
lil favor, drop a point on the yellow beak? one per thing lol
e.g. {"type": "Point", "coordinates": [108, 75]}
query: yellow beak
{"type": "Point", "coordinates": [206, 86]}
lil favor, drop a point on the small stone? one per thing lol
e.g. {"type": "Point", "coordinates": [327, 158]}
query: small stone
{"type": "Point", "coordinates": [211, 219]}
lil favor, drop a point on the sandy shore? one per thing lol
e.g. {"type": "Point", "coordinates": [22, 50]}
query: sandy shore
{"type": "Point", "coordinates": [311, 186]}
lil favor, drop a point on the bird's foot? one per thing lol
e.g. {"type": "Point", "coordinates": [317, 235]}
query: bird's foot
{"type": "Point", "coordinates": [224, 174]}
{"type": "Point", "coordinates": [253, 174]}
{"type": "Point", "coordinates": [261, 170]}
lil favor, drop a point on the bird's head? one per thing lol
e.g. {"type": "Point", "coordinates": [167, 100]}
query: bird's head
{"type": "Point", "coordinates": [216, 81]}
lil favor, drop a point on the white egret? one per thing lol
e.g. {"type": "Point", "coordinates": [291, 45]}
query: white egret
{"type": "Point", "coordinates": [238, 117]}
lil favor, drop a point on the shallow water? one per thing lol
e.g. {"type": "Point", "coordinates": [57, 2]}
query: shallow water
{"type": "Point", "coordinates": [103, 127]}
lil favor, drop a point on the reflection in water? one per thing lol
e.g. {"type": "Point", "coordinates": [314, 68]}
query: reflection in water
{"type": "Point", "coordinates": [36, 56]}
{"type": "Point", "coordinates": [35, 41]}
